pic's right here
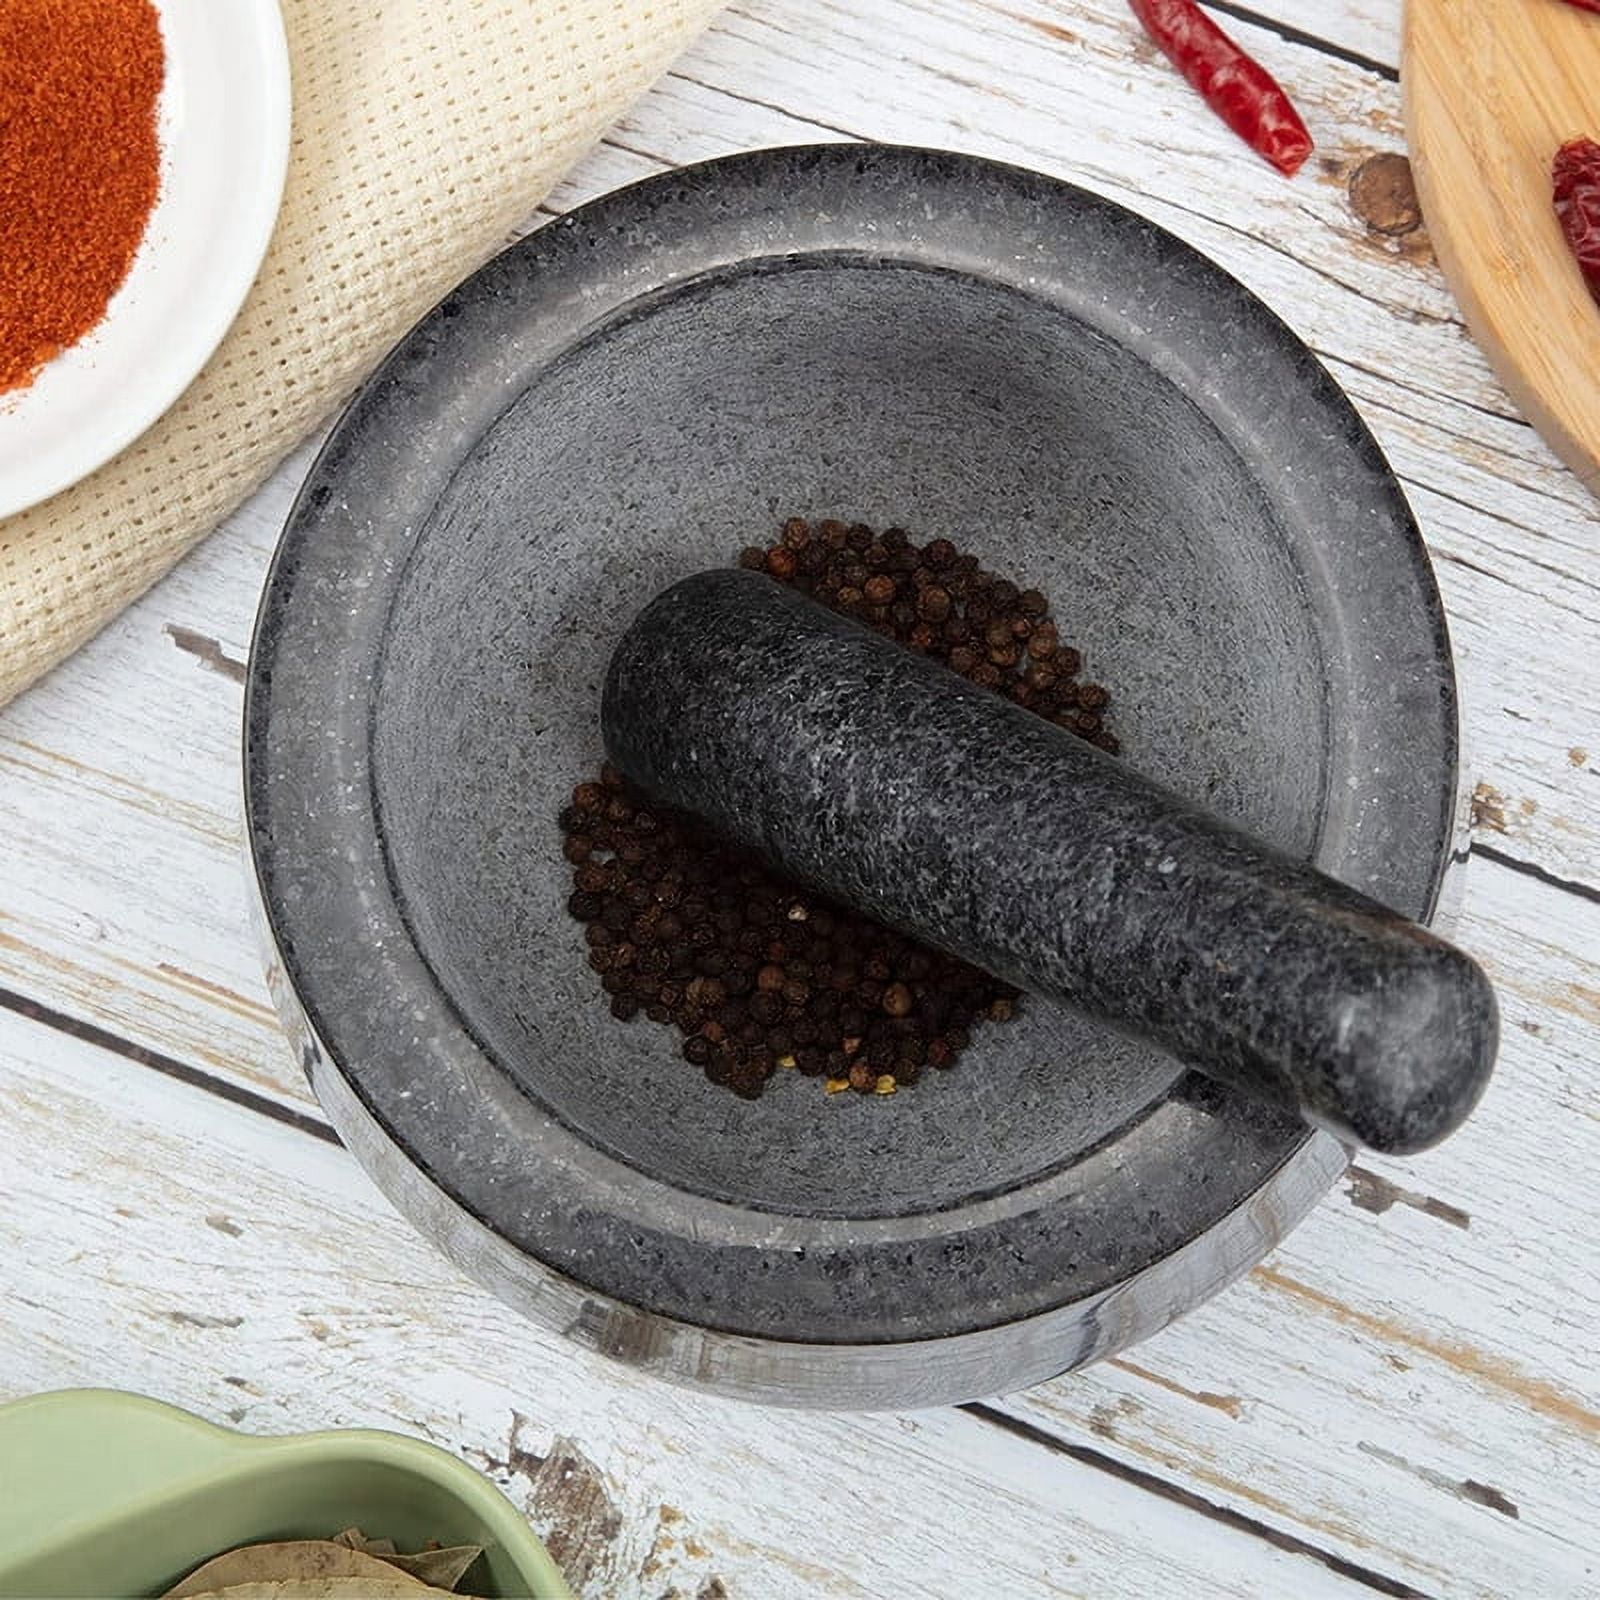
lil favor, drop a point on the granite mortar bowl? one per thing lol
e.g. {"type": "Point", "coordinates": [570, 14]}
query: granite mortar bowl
{"type": "Point", "coordinates": [632, 394]}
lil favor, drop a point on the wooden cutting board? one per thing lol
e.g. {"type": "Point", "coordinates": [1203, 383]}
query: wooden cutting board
{"type": "Point", "coordinates": [1492, 87]}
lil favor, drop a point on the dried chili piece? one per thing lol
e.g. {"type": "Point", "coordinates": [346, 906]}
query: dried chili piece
{"type": "Point", "coordinates": [1586, 5]}
{"type": "Point", "coordinates": [1575, 178]}
{"type": "Point", "coordinates": [1236, 86]}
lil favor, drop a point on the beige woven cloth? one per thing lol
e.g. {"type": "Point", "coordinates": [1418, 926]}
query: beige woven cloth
{"type": "Point", "coordinates": [424, 130]}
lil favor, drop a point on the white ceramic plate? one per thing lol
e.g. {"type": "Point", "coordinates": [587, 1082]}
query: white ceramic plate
{"type": "Point", "coordinates": [224, 124]}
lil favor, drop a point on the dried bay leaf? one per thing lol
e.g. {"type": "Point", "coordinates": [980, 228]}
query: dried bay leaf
{"type": "Point", "coordinates": [299, 1560]}
{"type": "Point", "coordinates": [442, 1566]}
{"type": "Point", "coordinates": [444, 1569]}
{"type": "Point", "coordinates": [355, 1539]}
{"type": "Point", "coordinates": [396, 1587]}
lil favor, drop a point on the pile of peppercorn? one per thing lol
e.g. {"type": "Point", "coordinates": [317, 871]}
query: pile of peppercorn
{"type": "Point", "coordinates": [758, 974]}
{"type": "Point", "coordinates": [940, 601]}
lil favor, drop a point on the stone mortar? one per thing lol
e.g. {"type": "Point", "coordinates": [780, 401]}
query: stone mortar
{"type": "Point", "coordinates": [628, 396]}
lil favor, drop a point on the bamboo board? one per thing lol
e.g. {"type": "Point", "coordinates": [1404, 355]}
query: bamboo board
{"type": "Point", "coordinates": [1491, 88]}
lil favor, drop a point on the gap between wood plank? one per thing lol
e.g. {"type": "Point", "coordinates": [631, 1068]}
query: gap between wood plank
{"type": "Point", "coordinates": [1528, 869]}
{"type": "Point", "coordinates": [1087, 1456]}
{"type": "Point", "coordinates": [769, 105]}
{"type": "Point", "coordinates": [1293, 35]}
{"type": "Point", "coordinates": [169, 1066]}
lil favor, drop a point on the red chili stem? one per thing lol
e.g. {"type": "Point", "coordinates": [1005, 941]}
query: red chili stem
{"type": "Point", "coordinates": [1238, 88]}
{"type": "Point", "coordinates": [1575, 180]}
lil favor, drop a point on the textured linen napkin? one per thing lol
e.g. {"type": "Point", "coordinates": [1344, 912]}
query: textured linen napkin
{"type": "Point", "coordinates": [424, 131]}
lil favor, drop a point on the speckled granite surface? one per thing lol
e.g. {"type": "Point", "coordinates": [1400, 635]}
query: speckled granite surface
{"type": "Point", "coordinates": [890, 782]}
{"type": "Point", "coordinates": [622, 399]}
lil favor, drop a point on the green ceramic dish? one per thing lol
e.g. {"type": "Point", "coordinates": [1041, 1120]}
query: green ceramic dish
{"type": "Point", "coordinates": [111, 1494]}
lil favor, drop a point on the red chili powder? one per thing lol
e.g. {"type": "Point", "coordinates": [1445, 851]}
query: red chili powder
{"type": "Point", "coordinates": [80, 166]}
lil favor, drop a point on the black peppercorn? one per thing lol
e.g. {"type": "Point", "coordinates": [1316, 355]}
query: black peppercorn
{"type": "Point", "coordinates": [753, 973]}
{"type": "Point", "coordinates": [593, 878]}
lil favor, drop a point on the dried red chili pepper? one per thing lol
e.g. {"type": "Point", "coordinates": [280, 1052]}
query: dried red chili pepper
{"type": "Point", "coordinates": [1238, 88]}
{"type": "Point", "coordinates": [1575, 178]}
{"type": "Point", "coordinates": [1586, 5]}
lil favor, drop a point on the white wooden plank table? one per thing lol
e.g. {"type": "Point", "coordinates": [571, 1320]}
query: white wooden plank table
{"type": "Point", "coordinates": [1402, 1400]}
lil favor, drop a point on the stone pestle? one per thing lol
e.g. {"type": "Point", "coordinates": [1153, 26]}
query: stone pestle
{"type": "Point", "coordinates": [894, 785]}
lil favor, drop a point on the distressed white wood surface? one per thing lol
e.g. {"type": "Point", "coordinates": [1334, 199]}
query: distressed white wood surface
{"type": "Point", "coordinates": [1369, 29]}
{"type": "Point", "coordinates": [282, 1293]}
{"type": "Point", "coordinates": [1407, 1386]}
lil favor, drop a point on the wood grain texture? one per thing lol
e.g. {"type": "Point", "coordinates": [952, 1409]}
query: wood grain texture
{"type": "Point", "coordinates": [1492, 89]}
{"type": "Point", "coordinates": [1465, 1352]}
{"type": "Point", "coordinates": [158, 1239]}
{"type": "Point", "coordinates": [1382, 1392]}
{"type": "Point", "coordinates": [1367, 29]}
{"type": "Point", "coordinates": [136, 741]}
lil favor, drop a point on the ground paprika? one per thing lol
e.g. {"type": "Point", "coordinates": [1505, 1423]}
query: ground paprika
{"type": "Point", "coordinates": [80, 166]}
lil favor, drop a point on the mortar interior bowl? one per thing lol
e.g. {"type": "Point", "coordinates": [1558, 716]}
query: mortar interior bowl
{"type": "Point", "coordinates": [633, 393]}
